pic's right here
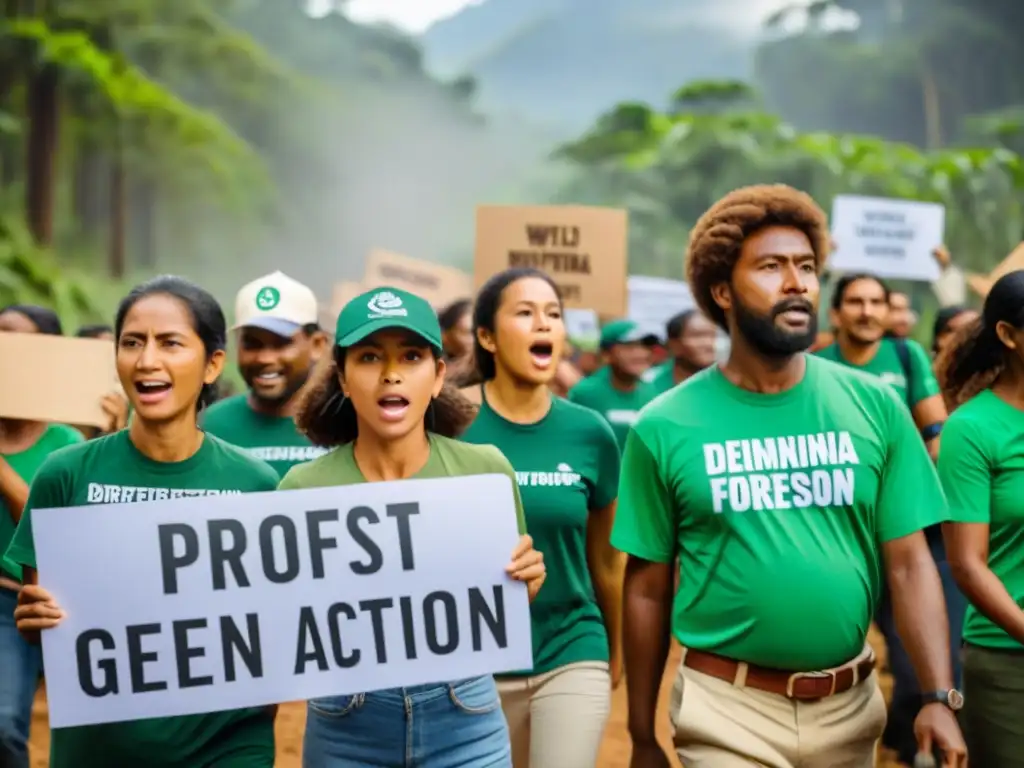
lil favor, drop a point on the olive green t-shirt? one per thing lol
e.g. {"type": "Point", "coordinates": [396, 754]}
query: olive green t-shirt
{"type": "Point", "coordinates": [26, 463]}
{"type": "Point", "coordinates": [886, 365]}
{"type": "Point", "coordinates": [448, 458]}
{"type": "Point", "coordinates": [981, 466]}
{"type": "Point", "coordinates": [566, 467]}
{"type": "Point", "coordinates": [620, 409]}
{"type": "Point", "coordinates": [777, 506]}
{"type": "Point", "coordinates": [274, 439]}
{"type": "Point", "coordinates": [111, 470]}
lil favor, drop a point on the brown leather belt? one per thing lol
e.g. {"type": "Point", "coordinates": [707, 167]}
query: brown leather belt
{"type": "Point", "coordinates": [792, 685]}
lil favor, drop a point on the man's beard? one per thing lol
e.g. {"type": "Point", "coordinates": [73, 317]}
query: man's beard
{"type": "Point", "coordinates": [767, 337]}
{"type": "Point", "coordinates": [294, 385]}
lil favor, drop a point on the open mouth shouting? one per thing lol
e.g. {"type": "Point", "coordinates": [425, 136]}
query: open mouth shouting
{"type": "Point", "coordinates": [393, 407]}
{"type": "Point", "coordinates": [542, 354]}
{"type": "Point", "coordinates": [152, 391]}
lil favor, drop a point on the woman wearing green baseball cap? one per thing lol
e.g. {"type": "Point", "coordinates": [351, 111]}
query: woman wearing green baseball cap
{"type": "Point", "coordinates": [567, 464]}
{"type": "Point", "coordinates": [382, 404]}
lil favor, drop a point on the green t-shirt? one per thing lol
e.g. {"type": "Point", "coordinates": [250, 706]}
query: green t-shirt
{"type": "Point", "coordinates": [566, 466]}
{"type": "Point", "coordinates": [777, 506]}
{"type": "Point", "coordinates": [886, 365]}
{"type": "Point", "coordinates": [662, 377]}
{"type": "Point", "coordinates": [274, 439]}
{"type": "Point", "coordinates": [26, 463]}
{"type": "Point", "coordinates": [112, 470]}
{"type": "Point", "coordinates": [981, 465]}
{"type": "Point", "coordinates": [620, 409]}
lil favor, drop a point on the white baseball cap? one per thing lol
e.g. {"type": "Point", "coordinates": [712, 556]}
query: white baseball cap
{"type": "Point", "coordinates": [276, 303]}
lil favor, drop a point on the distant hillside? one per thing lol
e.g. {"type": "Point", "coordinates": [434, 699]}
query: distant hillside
{"type": "Point", "coordinates": [566, 61]}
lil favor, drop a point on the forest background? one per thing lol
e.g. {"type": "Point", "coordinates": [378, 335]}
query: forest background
{"type": "Point", "coordinates": [222, 139]}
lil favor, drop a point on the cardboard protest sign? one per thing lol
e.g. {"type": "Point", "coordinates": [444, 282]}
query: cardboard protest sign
{"type": "Point", "coordinates": [653, 301]}
{"type": "Point", "coordinates": [584, 250]}
{"type": "Point", "coordinates": [888, 238]}
{"type": "Point", "coordinates": [438, 284]}
{"type": "Point", "coordinates": [56, 378]}
{"type": "Point", "coordinates": [982, 284]}
{"type": "Point", "coordinates": [241, 600]}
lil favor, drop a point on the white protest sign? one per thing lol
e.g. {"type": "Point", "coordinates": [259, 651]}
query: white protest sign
{"type": "Point", "coordinates": [888, 238]}
{"type": "Point", "coordinates": [582, 324]}
{"type": "Point", "coordinates": [653, 301]}
{"type": "Point", "coordinates": [194, 605]}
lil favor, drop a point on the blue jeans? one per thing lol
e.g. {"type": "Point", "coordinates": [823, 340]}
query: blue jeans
{"type": "Point", "coordinates": [21, 664]}
{"type": "Point", "coordinates": [442, 725]}
{"type": "Point", "coordinates": [906, 696]}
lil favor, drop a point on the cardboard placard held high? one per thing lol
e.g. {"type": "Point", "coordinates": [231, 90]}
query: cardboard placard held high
{"type": "Point", "coordinates": [584, 249]}
{"type": "Point", "coordinates": [438, 284]}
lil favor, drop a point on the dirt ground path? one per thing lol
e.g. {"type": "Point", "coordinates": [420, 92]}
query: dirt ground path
{"type": "Point", "coordinates": [291, 722]}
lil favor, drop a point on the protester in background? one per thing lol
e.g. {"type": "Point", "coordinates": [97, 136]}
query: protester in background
{"type": "Point", "coordinates": [860, 313]}
{"type": "Point", "coordinates": [982, 471]}
{"type": "Point", "coordinates": [566, 461]}
{"type": "Point", "coordinates": [104, 332]}
{"type": "Point", "coordinates": [170, 352]}
{"type": "Point", "coordinates": [789, 487]}
{"type": "Point", "coordinates": [24, 445]}
{"type": "Point", "coordinates": [279, 344]}
{"type": "Point", "coordinates": [115, 404]}
{"type": "Point", "coordinates": [948, 322]}
{"type": "Point", "coordinates": [902, 317]}
{"type": "Point", "coordinates": [691, 346]}
{"type": "Point", "coordinates": [617, 391]}
{"type": "Point", "coordinates": [457, 329]}
{"type": "Point", "coordinates": [382, 406]}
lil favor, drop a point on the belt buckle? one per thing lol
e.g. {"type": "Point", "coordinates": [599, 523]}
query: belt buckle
{"type": "Point", "coordinates": [796, 676]}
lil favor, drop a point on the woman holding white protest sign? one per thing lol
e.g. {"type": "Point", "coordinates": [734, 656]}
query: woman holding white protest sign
{"type": "Point", "coordinates": [24, 445]}
{"type": "Point", "coordinates": [567, 463]}
{"type": "Point", "coordinates": [383, 406]}
{"type": "Point", "coordinates": [170, 337]}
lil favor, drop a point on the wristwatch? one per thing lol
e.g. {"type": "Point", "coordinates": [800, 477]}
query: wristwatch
{"type": "Point", "coordinates": [951, 698]}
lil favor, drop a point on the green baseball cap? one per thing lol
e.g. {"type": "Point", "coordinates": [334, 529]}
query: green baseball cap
{"type": "Point", "coordinates": [625, 332]}
{"type": "Point", "coordinates": [383, 308]}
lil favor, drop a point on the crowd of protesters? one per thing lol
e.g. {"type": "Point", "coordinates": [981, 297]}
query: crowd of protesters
{"type": "Point", "coordinates": [763, 509]}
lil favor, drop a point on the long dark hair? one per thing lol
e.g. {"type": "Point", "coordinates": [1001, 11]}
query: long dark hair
{"type": "Point", "coordinates": [485, 310]}
{"type": "Point", "coordinates": [976, 356]}
{"type": "Point", "coordinates": [328, 418]}
{"type": "Point", "coordinates": [207, 318]}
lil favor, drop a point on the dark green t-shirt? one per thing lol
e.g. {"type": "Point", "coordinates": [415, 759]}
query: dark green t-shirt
{"type": "Point", "coordinates": [886, 365]}
{"type": "Point", "coordinates": [274, 439]}
{"type": "Point", "coordinates": [111, 470]}
{"type": "Point", "coordinates": [26, 463]}
{"type": "Point", "coordinates": [777, 506]}
{"type": "Point", "coordinates": [620, 409]}
{"type": "Point", "coordinates": [981, 465]}
{"type": "Point", "coordinates": [566, 466]}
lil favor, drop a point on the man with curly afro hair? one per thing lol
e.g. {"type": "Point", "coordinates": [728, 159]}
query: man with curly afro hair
{"type": "Point", "coordinates": [788, 487]}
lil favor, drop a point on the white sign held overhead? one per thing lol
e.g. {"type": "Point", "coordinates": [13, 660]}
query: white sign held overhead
{"type": "Point", "coordinates": [653, 301]}
{"type": "Point", "coordinates": [254, 599]}
{"type": "Point", "coordinates": [888, 238]}
{"type": "Point", "coordinates": [582, 324]}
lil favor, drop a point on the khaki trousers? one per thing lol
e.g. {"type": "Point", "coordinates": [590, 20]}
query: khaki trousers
{"type": "Point", "coordinates": [557, 719]}
{"type": "Point", "coordinates": [717, 724]}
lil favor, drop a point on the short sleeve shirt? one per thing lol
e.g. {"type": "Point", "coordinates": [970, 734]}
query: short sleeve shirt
{"type": "Point", "coordinates": [981, 466]}
{"type": "Point", "coordinates": [110, 470]}
{"type": "Point", "coordinates": [777, 506]}
{"type": "Point", "coordinates": [567, 467]}
{"type": "Point", "coordinates": [886, 365]}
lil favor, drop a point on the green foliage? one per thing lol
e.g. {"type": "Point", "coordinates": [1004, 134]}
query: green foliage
{"type": "Point", "coordinates": [667, 169]}
{"type": "Point", "coordinates": [29, 275]}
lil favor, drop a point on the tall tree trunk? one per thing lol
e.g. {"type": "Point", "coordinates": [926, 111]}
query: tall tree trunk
{"type": "Point", "coordinates": [43, 106]}
{"type": "Point", "coordinates": [118, 218]}
{"type": "Point", "coordinates": [143, 209]}
{"type": "Point", "coordinates": [932, 108]}
{"type": "Point", "coordinates": [91, 184]}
